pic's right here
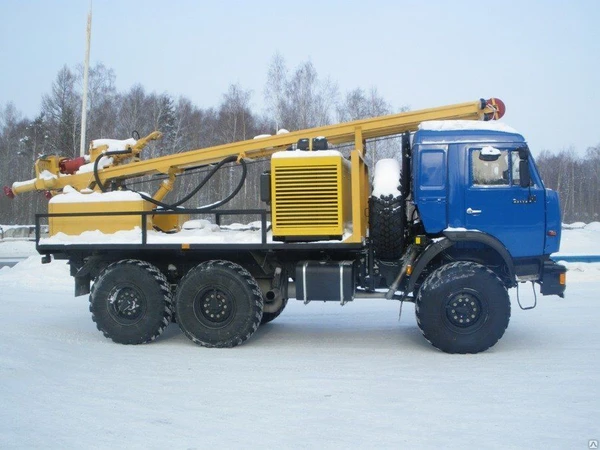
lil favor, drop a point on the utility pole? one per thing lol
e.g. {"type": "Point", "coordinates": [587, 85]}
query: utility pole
{"type": "Point", "coordinates": [86, 69]}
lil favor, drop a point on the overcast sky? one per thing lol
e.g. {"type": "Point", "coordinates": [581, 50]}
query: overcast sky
{"type": "Point", "coordinates": [541, 57]}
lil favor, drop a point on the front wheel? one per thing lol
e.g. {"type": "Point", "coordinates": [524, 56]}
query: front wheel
{"type": "Point", "coordinates": [463, 307]}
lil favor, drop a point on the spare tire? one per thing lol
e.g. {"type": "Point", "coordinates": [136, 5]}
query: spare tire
{"type": "Point", "coordinates": [387, 216]}
{"type": "Point", "coordinates": [387, 221]}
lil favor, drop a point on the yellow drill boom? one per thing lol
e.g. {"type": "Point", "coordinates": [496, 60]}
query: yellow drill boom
{"type": "Point", "coordinates": [50, 177]}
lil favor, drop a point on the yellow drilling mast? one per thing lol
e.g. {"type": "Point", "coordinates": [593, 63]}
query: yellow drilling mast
{"type": "Point", "coordinates": [53, 173]}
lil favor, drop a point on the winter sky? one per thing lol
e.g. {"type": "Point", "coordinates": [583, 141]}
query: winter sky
{"type": "Point", "coordinates": [541, 57]}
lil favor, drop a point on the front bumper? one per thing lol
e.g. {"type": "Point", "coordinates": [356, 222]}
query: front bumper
{"type": "Point", "coordinates": [554, 279]}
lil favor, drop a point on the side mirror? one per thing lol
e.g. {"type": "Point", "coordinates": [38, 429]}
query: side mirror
{"type": "Point", "coordinates": [523, 153]}
{"type": "Point", "coordinates": [525, 176]}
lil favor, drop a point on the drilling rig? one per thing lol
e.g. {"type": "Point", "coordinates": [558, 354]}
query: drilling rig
{"type": "Point", "coordinates": [454, 221]}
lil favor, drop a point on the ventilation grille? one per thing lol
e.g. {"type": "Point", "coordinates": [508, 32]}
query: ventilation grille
{"type": "Point", "coordinates": [307, 197]}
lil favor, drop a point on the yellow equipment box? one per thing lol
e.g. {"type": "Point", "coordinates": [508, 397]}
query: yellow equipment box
{"type": "Point", "coordinates": [311, 195]}
{"type": "Point", "coordinates": [70, 225]}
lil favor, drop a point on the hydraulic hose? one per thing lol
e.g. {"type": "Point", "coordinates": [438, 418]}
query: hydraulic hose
{"type": "Point", "coordinates": [191, 194]}
{"type": "Point", "coordinates": [214, 170]}
{"type": "Point", "coordinates": [109, 153]}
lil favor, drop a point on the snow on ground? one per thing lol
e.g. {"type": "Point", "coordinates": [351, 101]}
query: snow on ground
{"type": "Point", "coordinates": [319, 376]}
{"type": "Point", "coordinates": [580, 239]}
{"type": "Point", "coordinates": [16, 248]}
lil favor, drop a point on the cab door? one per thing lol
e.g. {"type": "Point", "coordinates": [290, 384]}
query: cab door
{"type": "Point", "coordinates": [495, 202]}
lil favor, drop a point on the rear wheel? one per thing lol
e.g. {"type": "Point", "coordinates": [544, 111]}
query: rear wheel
{"type": "Point", "coordinates": [131, 302]}
{"type": "Point", "coordinates": [463, 307]}
{"type": "Point", "coordinates": [218, 304]}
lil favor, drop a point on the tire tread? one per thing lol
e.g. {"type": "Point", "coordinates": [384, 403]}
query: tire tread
{"type": "Point", "coordinates": [257, 302]}
{"type": "Point", "coordinates": [165, 288]}
{"type": "Point", "coordinates": [437, 276]}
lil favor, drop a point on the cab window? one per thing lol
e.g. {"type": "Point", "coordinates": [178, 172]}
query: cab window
{"type": "Point", "coordinates": [490, 167]}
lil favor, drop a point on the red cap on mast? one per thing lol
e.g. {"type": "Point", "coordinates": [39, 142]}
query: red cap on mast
{"type": "Point", "coordinates": [498, 106]}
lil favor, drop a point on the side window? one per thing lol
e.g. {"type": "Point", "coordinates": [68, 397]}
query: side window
{"type": "Point", "coordinates": [433, 169]}
{"type": "Point", "coordinates": [490, 167]}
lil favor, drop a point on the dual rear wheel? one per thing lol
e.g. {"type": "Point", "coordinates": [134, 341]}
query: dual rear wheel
{"type": "Point", "coordinates": [217, 303]}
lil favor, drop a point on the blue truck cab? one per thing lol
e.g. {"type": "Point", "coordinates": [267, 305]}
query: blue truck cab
{"type": "Point", "coordinates": [476, 185]}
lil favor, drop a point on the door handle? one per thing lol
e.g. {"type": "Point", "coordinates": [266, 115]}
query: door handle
{"type": "Point", "coordinates": [473, 211]}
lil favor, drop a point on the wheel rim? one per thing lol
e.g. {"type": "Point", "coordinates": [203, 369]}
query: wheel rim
{"type": "Point", "coordinates": [214, 307]}
{"type": "Point", "coordinates": [464, 311]}
{"type": "Point", "coordinates": [126, 304]}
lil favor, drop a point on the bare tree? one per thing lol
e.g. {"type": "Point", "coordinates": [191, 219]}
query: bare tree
{"type": "Point", "coordinates": [61, 110]}
{"type": "Point", "coordinates": [134, 113]}
{"type": "Point", "coordinates": [102, 101]}
{"type": "Point", "coordinates": [577, 180]}
{"type": "Point", "coordinates": [275, 91]}
{"type": "Point", "coordinates": [18, 152]}
{"type": "Point", "coordinates": [236, 121]}
{"type": "Point", "coordinates": [301, 100]}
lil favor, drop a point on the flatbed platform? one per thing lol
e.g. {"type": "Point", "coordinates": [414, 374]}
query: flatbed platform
{"type": "Point", "coordinates": [196, 236]}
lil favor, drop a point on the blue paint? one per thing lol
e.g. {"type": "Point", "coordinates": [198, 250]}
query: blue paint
{"type": "Point", "coordinates": [456, 186]}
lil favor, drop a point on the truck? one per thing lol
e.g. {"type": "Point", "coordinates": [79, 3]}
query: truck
{"type": "Point", "coordinates": [454, 221]}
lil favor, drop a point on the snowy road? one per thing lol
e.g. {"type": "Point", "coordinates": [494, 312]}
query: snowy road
{"type": "Point", "coordinates": [320, 376]}
{"type": "Point", "coordinates": [9, 262]}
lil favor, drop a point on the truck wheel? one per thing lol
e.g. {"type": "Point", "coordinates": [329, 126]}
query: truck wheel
{"type": "Point", "coordinates": [463, 307]}
{"type": "Point", "coordinates": [131, 302]}
{"type": "Point", "coordinates": [219, 304]}
{"type": "Point", "coordinates": [269, 316]}
{"type": "Point", "coordinates": [386, 228]}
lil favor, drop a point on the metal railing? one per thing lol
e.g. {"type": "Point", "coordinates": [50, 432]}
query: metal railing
{"type": "Point", "coordinates": [218, 213]}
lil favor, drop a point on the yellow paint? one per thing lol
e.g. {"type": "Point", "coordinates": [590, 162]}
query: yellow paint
{"type": "Point", "coordinates": [47, 163]}
{"type": "Point", "coordinates": [105, 224]}
{"type": "Point", "coordinates": [169, 222]}
{"type": "Point", "coordinates": [128, 166]}
{"type": "Point", "coordinates": [310, 196]}
{"type": "Point", "coordinates": [360, 198]}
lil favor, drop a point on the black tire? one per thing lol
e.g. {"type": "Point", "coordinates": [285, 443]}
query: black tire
{"type": "Point", "coordinates": [218, 304]}
{"type": "Point", "coordinates": [463, 307]}
{"type": "Point", "coordinates": [270, 316]}
{"type": "Point", "coordinates": [131, 302]}
{"type": "Point", "coordinates": [386, 228]}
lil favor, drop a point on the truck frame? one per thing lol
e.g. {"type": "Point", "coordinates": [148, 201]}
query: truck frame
{"type": "Point", "coordinates": [452, 223]}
